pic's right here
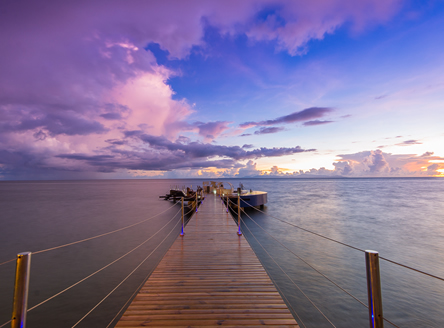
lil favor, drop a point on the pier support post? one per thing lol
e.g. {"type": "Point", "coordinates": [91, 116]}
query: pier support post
{"type": "Point", "coordinates": [182, 232]}
{"type": "Point", "coordinates": [20, 304]}
{"type": "Point", "coordinates": [239, 231]}
{"type": "Point", "coordinates": [374, 289]}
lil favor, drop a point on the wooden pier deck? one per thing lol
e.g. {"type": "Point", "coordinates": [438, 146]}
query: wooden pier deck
{"type": "Point", "coordinates": [209, 277]}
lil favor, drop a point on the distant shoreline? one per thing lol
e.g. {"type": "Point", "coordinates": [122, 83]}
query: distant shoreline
{"type": "Point", "coordinates": [234, 178]}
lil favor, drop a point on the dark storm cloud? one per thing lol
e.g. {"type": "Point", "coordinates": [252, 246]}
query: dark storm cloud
{"type": "Point", "coordinates": [201, 150]}
{"type": "Point", "coordinates": [61, 123]}
{"type": "Point", "coordinates": [304, 115]}
{"type": "Point", "coordinates": [132, 160]}
{"type": "Point", "coordinates": [133, 133]}
{"type": "Point", "coordinates": [96, 158]}
{"type": "Point", "coordinates": [162, 154]}
{"type": "Point", "coordinates": [111, 116]}
{"type": "Point", "coordinates": [26, 165]}
{"type": "Point", "coordinates": [116, 142]}
{"type": "Point", "coordinates": [273, 129]}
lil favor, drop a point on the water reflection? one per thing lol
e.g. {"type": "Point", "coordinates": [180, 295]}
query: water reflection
{"type": "Point", "coordinates": [397, 217]}
{"type": "Point", "coordinates": [400, 218]}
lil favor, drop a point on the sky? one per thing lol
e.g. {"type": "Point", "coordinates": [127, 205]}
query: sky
{"type": "Point", "coordinates": [221, 89]}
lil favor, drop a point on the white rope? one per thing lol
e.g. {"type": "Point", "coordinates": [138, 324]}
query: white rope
{"type": "Point", "coordinates": [344, 244]}
{"type": "Point", "coordinates": [6, 323]}
{"type": "Point", "coordinates": [277, 286]}
{"type": "Point", "coordinates": [130, 298]}
{"type": "Point", "coordinates": [90, 238]}
{"type": "Point", "coordinates": [104, 234]}
{"type": "Point", "coordinates": [294, 283]}
{"type": "Point", "coordinates": [137, 289]}
{"type": "Point", "coordinates": [385, 319]}
{"type": "Point", "coordinates": [312, 232]}
{"type": "Point", "coordinates": [5, 263]}
{"type": "Point", "coordinates": [311, 266]}
{"type": "Point", "coordinates": [66, 289]}
{"type": "Point", "coordinates": [129, 275]}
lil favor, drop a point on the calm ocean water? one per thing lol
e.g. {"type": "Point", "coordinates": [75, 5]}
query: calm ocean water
{"type": "Point", "coordinates": [403, 219]}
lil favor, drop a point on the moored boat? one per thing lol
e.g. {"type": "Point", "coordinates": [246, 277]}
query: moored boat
{"type": "Point", "coordinates": [248, 198]}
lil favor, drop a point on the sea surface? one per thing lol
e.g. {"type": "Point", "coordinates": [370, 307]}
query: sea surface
{"type": "Point", "coordinates": [402, 219]}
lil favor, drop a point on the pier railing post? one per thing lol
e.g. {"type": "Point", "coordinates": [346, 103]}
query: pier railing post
{"type": "Point", "coordinates": [182, 233]}
{"type": "Point", "coordinates": [374, 289]}
{"type": "Point", "coordinates": [20, 303]}
{"type": "Point", "coordinates": [239, 231]}
{"type": "Point", "coordinates": [197, 201]}
{"type": "Point", "coordinates": [227, 202]}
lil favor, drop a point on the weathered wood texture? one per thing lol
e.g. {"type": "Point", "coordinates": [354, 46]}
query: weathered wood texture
{"type": "Point", "coordinates": [209, 277]}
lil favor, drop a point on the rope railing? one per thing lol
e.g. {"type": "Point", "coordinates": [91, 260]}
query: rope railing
{"type": "Point", "coordinates": [312, 267]}
{"type": "Point", "coordinates": [116, 260]}
{"type": "Point", "coordinates": [280, 291]}
{"type": "Point", "coordinates": [294, 283]}
{"type": "Point", "coordinates": [97, 236]}
{"type": "Point", "coordinates": [410, 268]}
{"type": "Point", "coordinates": [129, 275]}
{"type": "Point", "coordinates": [286, 299]}
{"type": "Point", "coordinates": [347, 245]}
{"type": "Point", "coordinates": [139, 287]}
{"type": "Point", "coordinates": [306, 230]}
{"type": "Point", "coordinates": [250, 232]}
{"type": "Point", "coordinates": [103, 268]}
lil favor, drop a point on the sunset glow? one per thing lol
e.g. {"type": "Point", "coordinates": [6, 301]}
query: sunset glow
{"type": "Point", "coordinates": [181, 89]}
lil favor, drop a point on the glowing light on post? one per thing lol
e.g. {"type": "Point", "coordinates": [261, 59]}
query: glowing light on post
{"type": "Point", "coordinates": [182, 232]}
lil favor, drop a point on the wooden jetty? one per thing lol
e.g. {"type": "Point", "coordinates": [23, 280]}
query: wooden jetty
{"type": "Point", "coordinates": [209, 277]}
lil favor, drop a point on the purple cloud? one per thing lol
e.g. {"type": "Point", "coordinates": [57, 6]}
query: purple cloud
{"type": "Point", "coordinates": [72, 69]}
{"type": "Point", "coordinates": [211, 130]}
{"type": "Point", "coordinates": [273, 129]}
{"type": "Point", "coordinates": [304, 115]}
{"type": "Point", "coordinates": [316, 122]}
{"type": "Point", "coordinates": [376, 162]}
{"type": "Point", "coordinates": [409, 142]}
{"type": "Point", "coordinates": [201, 150]}
{"type": "Point", "coordinates": [129, 160]}
{"type": "Point", "coordinates": [380, 97]}
{"type": "Point", "coordinates": [65, 122]}
{"type": "Point", "coordinates": [116, 142]}
{"type": "Point", "coordinates": [163, 154]}
{"type": "Point", "coordinates": [111, 116]}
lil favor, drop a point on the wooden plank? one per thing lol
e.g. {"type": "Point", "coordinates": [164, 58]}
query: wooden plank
{"type": "Point", "coordinates": [207, 322]}
{"type": "Point", "coordinates": [209, 277]}
{"type": "Point", "coordinates": [143, 311]}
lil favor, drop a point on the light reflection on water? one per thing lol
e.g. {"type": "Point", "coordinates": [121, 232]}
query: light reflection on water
{"type": "Point", "coordinates": [400, 218]}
